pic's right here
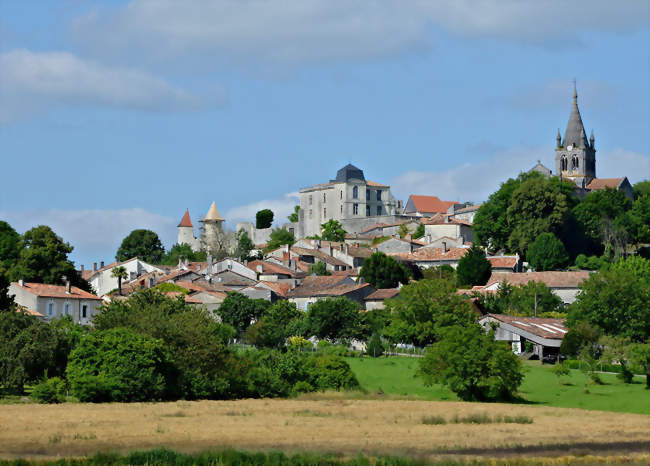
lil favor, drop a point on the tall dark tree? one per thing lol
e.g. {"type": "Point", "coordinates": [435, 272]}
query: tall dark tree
{"type": "Point", "coordinates": [491, 225]}
{"type": "Point", "coordinates": [547, 253]}
{"type": "Point", "coordinates": [473, 268]}
{"type": "Point", "coordinates": [382, 271]}
{"type": "Point", "coordinates": [244, 245]}
{"type": "Point", "coordinates": [240, 311]}
{"type": "Point", "coordinates": [9, 245]}
{"type": "Point", "coordinates": [334, 319]}
{"type": "Point", "coordinates": [264, 218]}
{"type": "Point", "coordinates": [6, 301]}
{"type": "Point", "coordinates": [144, 244]}
{"type": "Point", "coordinates": [642, 188]}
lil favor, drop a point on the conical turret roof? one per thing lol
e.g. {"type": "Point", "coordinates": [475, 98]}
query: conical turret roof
{"type": "Point", "coordinates": [213, 214]}
{"type": "Point", "coordinates": [186, 221]}
{"type": "Point", "coordinates": [575, 131]}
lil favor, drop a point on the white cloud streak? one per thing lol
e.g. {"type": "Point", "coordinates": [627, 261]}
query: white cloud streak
{"type": "Point", "coordinates": [316, 30]}
{"type": "Point", "coordinates": [31, 81]}
{"type": "Point", "coordinates": [281, 209]}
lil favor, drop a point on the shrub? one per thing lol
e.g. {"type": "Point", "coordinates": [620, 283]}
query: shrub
{"type": "Point", "coordinates": [433, 420]}
{"type": "Point", "coordinates": [93, 388]}
{"type": "Point", "coordinates": [375, 347]}
{"type": "Point", "coordinates": [473, 268]}
{"type": "Point", "coordinates": [50, 391]}
{"type": "Point", "coordinates": [547, 253]}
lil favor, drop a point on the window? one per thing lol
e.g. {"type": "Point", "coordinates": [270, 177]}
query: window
{"type": "Point", "coordinates": [324, 197]}
{"type": "Point", "coordinates": [355, 209]}
{"type": "Point", "coordinates": [355, 192]}
{"type": "Point", "coordinates": [311, 200]}
{"type": "Point", "coordinates": [325, 212]}
{"type": "Point", "coordinates": [367, 210]}
{"type": "Point", "coordinates": [310, 213]}
{"type": "Point", "coordinates": [563, 163]}
{"type": "Point", "coordinates": [379, 194]}
{"type": "Point", "coordinates": [367, 194]}
{"type": "Point", "coordinates": [379, 210]}
{"type": "Point", "coordinates": [84, 311]}
{"type": "Point", "coordinates": [66, 309]}
{"type": "Point", "coordinates": [50, 309]}
{"type": "Point", "coordinates": [341, 209]}
{"type": "Point", "coordinates": [341, 194]}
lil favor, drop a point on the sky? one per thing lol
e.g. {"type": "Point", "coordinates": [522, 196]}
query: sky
{"type": "Point", "coordinates": [116, 115]}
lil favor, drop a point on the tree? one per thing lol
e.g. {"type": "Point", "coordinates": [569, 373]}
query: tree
{"type": "Point", "coordinates": [472, 364]}
{"type": "Point", "coordinates": [419, 231]}
{"type": "Point", "coordinates": [375, 347]}
{"type": "Point", "coordinates": [333, 231]}
{"type": "Point", "coordinates": [640, 355]}
{"type": "Point", "coordinates": [615, 351]}
{"type": "Point", "coordinates": [319, 268]}
{"type": "Point", "coordinates": [239, 311]}
{"type": "Point", "coordinates": [403, 230]}
{"type": "Point", "coordinates": [639, 220]}
{"type": "Point", "coordinates": [280, 321]}
{"type": "Point", "coordinates": [144, 244]}
{"type": "Point", "coordinates": [641, 188]}
{"type": "Point", "coordinates": [294, 216]}
{"type": "Point", "coordinates": [44, 259]}
{"type": "Point", "coordinates": [119, 272]}
{"type": "Point", "coordinates": [526, 300]}
{"type": "Point", "coordinates": [264, 219]}
{"type": "Point", "coordinates": [490, 225]}
{"type": "Point", "coordinates": [333, 319]}
{"type": "Point", "coordinates": [244, 245]}
{"type": "Point", "coordinates": [9, 245]}
{"type": "Point", "coordinates": [423, 308]}
{"type": "Point", "coordinates": [547, 253]}
{"type": "Point", "coordinates": [182, 252]}
{"type": "Point", "coordinates": [382, 271]}
{"type": "Point", "coordinates": [279, 237]}
{"type": "Point", "coordinates": [473, 268]}
{"type": "Point", "coordinates": [616, 300]}
{"type": "Point", "coordinates": [6, 301]}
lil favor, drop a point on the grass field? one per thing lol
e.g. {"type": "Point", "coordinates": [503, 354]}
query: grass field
{"type": "Point", "coordinates": [321, 423]}
{"type": "Point", "coordinates": [397, 376]}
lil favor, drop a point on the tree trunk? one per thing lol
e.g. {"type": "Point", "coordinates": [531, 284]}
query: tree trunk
{"type": "Point", "coordinates": [119, 285]}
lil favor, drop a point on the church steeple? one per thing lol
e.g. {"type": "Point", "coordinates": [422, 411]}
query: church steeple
{"type": "Point", "coordinates": [575, 131]}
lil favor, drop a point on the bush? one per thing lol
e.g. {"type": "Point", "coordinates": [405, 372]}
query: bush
{"type": "Point", "coordinates": [473, 268]}
{"type": "Point", "coordinates": [547, 253]}
{"type": "Point", "coordinates": [375, 347]}
{"type": "Point", "coordinates": [93, 389]}
{"type": "Point", "coordinates": [50, 391]}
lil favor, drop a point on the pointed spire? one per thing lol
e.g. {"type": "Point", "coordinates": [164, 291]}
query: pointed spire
{"type": "Point", "coordinates": [558, 138]}
{"type": "Point", "coordinates": [575, 130]}
{"type": "Point", "coordinates": [213, 214]}
{"type": "Point", "coordinates": [592, 140]}
{"type": "Point", "coordinates": [186, 221]}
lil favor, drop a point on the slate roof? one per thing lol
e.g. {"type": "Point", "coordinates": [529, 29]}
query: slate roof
{"type": "Point", "coordinates": [349, 172]}
{"type": "Point", "coordinates": [575, 131]}
{"type": "Point", "coordinates": [55, 291]}
{"type": "Point", "coordinates": [430, 204]}
{"type": "Point", "coordinates": [554, 329]}
{"type": "Point", "coordinates": [383, 293]}
{"type": "Point", "coordinates": [554, 279]}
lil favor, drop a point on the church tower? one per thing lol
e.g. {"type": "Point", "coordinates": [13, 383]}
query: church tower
{"type": "Point", "coordinates": [575, 157]}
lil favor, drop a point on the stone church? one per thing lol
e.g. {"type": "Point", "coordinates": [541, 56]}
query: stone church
{"type": "Point", "coordinates": [575, 158]}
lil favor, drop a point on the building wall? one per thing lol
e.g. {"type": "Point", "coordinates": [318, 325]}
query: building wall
{"type": "Point", "coordinates": [257, 236]}
{"type": "Point", "coordinates": [103, 282]}
{"type": "Point", "coordinates": [186, 236]}
{"type": "Point", "coordinates": [41, 305]}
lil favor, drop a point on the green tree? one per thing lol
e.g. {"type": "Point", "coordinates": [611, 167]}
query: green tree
{"type": "Point", "coordinates": [239, 311]}
{"type": "Point", "coordinates": [319, 268]}
{"type": "Point", "coordinates": [615, 350]}
{"type": "Point", "coordinates": [423, 308]}
{"type": "Point", "coordinates": [375, 347]}
{"type": "Point", "coordinates": [638, 221]}
{"type": "Point", "coordinates": [294, 216]}
{"type": "Point", "coordinates": [581, 334]}
{"type": "Point", "coordinates": [641, 188]}
{"type": "Point", "coordinates": [334, 319]}
{"type": "Point", "coordinates": [244, 245]}
{"type": "Point", "coordinates": [119, 272]}
{"type": "Point", "coordinates": [523, 300]}
{"type": "Point", "coordinates": [547, 253]}
{"type": "Point", "coordinates": [382, 271]}
{"type": "Point", "coordinates": [44, 259]}
{"type": "Point", "coordinates": [181, 252]}
{"type": "Point", "coordinates": [473, 268]}
{"type": "Point", "coordinates": [472, 364]}
{"type": "Point", "coordinates": [264, 219]}
{"type": "Point", "coordinates": [333, 231]}
{"type": "Point", "coordinates": [131, 367]}
{"type": "Point", "coordinates": [403, 230]}
{"type": "Point", "coordinates": [143, 244]}
{"type": "Point", "coordinates": [6, 300]}
{"type": "Point", "coordinates": [279, 237]}
{"type": "Point", "coordinates": [9, 245]}
{"type": "Point", "coordinates": [640, 355]}
{"type": "Point", "coordinates": [419, 231]}
{"type": "Point", "coordinates": [280, 321]}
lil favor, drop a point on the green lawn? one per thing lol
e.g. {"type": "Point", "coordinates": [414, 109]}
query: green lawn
{"type": "Point", "coordinates": [396, 376]}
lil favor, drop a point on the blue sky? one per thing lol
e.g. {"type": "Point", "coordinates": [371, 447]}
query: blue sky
{"type": "Point", "coordinates": [119, 115]}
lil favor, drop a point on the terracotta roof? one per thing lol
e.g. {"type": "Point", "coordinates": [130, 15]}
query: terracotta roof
{"type": "Point", "coordinates": [374, 227]}
{"type": "Point", "coordinates": [550, 279]}
{"type": "Point", "coordinates": [314, 284]}
{"type": "Point", "coordinates": [56, 291]}
{"type": "Point", "coordinates": [29, 312]}
{"type": "Point", "coordinates": [431, 254]}
{"type": "Point", "coordinates": [358, 251]}
{"type": "Point", "coordinates": [379, 185]}
{"type": "Point", "coordinates": [186, 221]}
{"type": "Point", "coordinates": [209, 286]}
{"type": "Point", "coordinates": [174, 274]}
{"type": "Point", "coordinates": [319, 254]}
{"type": "Point", "coordinates": [342, 289]}
{"type": "Point", "coordinates": [546, 328]}
{"type": "Point", "coordinates": [189, 285]}
{"type": "Point", "coordinates": [280, 288]}
{"type": "Point", "coordinates": [603, 183]}
{"type": "Point", "coordinates": [444, 219]}
{"type": "Point", "coordinates": [430, 204]}
{"type": "Point", "coordinates": [383, 293]}
{"type": "Point", "coordinates": [273, 268]}
{"type": "Point", "coordinates": [503, 262]}
{"type": "Point", "coordinates": [216, 294]}
{"type": "Point", "coordinates": [347, 272]}
{"type": "Point", "coordinates": [467, 209]}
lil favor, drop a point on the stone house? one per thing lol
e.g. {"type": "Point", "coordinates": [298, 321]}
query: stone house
{"type": "Point", "coordinates": [565, 285]}
{"type": "Point", "coordinates": [103, 282]}
{"type": "Point", "coordinates": [426, 206]}
{"type": "Point", "coordinates": [50, 301]}
{"type": "Point", "coordinates": [397, 244]}
{"type": "Point", "coordinates": [442, 225]}
{"type": "Point", "coordinates": [376, 300]}
{"type": "Point", "coordinates": [315, 287]}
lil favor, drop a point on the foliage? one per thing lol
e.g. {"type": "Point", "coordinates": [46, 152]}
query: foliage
{"type": "Point", "coordinates": [641, 188]}
{"type": "Point", "coordinates": [616, 300]}
{"type": "Point", "coordinates": [50, 391]}
{"type": "Point", "coordinates": [382, 271]}
{"type": "Point", "coordinates": [279, 237]}
{"type": "Point", "coordinates": [264, 219]}
{"type": "Point", "coordinates": [9, 245]}
{"type": "Point", "coordinates": [638, 223]}
{"type": "Point", "coordinates": [119, 272]}
{"type": "Point", "coordinates": [473, 268]}
{"type": "Point", "coordinates": [143, 244]}
{"type": "Point", "coordinates": [591, 262]}
{"type": "Point", "coordinates": [334, 319]}
{"type": "Point", "coordinates": [522, 300]}
{"type": "Point", "coordinates": [375, 347]}
{"type": "Point", "coordinates": [444, 271]}
{"type": "Point", "coordinates": [332, 230]}
{"type": "Point", "coordinates": [244, 245]}
{"type": "Point", "coordinates": [182, 252]}
{"type": "Point", "coordinates": [561, 369]}
{"type": "Point", "coordinates": [280, 321]}
{"type": "Point", "coordinates": [639, 354]}
{"type": "Point", "coordinates": [491, 226]}
{"type": "Point", "coordinates": [319, 268]}
{"type": "Point", "coordinates": [615, 351]}
{"type": "Point", "coordinates": [168, 287]}
{"type": "Point", "coordinates": [472, 364]}
{"type": "Point", "coordinates": [547, 253]}
{"type": "Point", "coordinates": [294, 217]}
{"type": "Point", "coordinates": [403, 230]}
{"type": "Point", "coordinates": [423, 308]}
{"type": "Point", "coordinates": [239, 311]}
{"type": "Point", "coordinates": [6, 300]}
{"type": "Point", "coordinates": [581, 334]}
{"type": "Point", "coordinates": [419, 231]}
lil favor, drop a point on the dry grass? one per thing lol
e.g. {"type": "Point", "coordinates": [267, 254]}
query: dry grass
{"type": "Point", "coordinates": [332, 425]}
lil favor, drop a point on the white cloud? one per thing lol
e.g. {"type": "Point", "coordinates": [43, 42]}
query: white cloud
{"type": "Point", "coordinates": [95, 234]}
{"type": "Point", "coordinates": [33, 80]}
{"type": "Point", "coordinates": [281, 209]}
{"type": "Point", "coordinates": [475, 182]}
{"type": "Point", "coordinates": [315, 30]}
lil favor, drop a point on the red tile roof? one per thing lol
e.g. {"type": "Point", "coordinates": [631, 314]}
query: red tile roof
{"type": "Point", "coordinates": [273, 268]}
{"type": "Point", "coordinates": [56, 291]}
{"type": "Point", "coordinates": [383, 293]}
{"type": "Point", "coordinates": [431, 254]}
{"type": "Point", "coordinates": [314, 284]}
{"type": "Point", "coordinates": [550, 279]}
{"type": "Point", "coordinates": [379, 185]}
{"type": "Point", "coordinates": [503, 262]}
{"type": "Point", "coordinates": [431, 204]}
{"type": "Point", "coordinates": [444, 219]}
{"type": "Point", "coordinates": [186, 221]}
{"type": "Point", "coordinates": [603, 183]}
{"type": "Point", "coordinates": [374, 227]}
{"type": "Point", "coordinates": [546, 328]}
{"type": "Point", "coordinates": [280, 288]}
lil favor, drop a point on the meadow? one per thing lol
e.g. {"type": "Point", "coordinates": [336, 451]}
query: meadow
{"type": "Point", "coordinates": [396, 376]}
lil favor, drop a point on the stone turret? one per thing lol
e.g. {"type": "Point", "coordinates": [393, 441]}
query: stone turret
{"type": "Point", "coordinates": [186, 232]}
{"type": "Point", "coordinates": [212, 237]}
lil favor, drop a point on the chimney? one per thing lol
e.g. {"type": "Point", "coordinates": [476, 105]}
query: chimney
{"type": "Point", "coordinates": [68, 287]}
{"type": "Point", "coordinates": [81, 267]}
{"type": "Point", "coordinates": [94, 266]}
{"type": "Point", "coordinates": [331, 250]}
{"type": "Point", "coordinates": [444, 246]}
{"type": "Point", "coordinates": [347, 249]}
{"type": "Point", "coordinates": [101, 265]}
{"type": "Point", "coordinates": [260, 268]}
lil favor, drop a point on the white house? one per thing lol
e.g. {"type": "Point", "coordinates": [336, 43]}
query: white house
{"type": "Point", "coordinates": [103, 282]}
